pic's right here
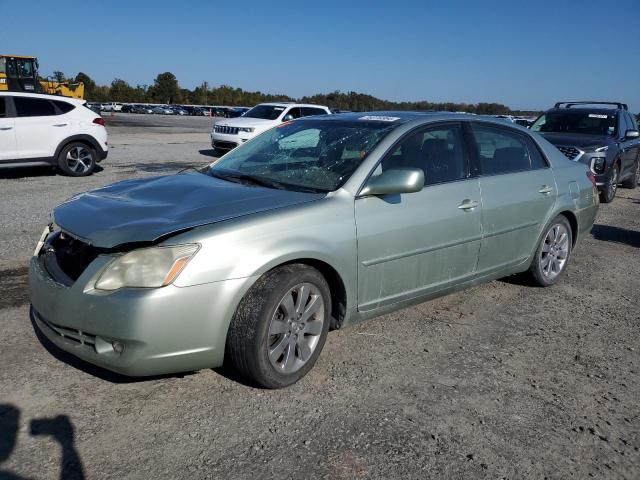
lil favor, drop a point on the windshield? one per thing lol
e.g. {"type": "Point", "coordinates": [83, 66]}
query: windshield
{"type": "Point", "coordinates": [303, 155]}
{"type": "Point", "coordinates": [266, 112]}
{"type": "Point", "coordinates": [590, 123]}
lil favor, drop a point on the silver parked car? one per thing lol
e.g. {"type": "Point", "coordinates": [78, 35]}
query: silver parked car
{"type": "Point", "coordinates": [315, 224]}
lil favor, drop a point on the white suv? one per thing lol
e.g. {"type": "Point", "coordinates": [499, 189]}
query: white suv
{"type": "Point", "coordinates": [229, 133]}
{"type": "Point", "coordinates": [50, 130]}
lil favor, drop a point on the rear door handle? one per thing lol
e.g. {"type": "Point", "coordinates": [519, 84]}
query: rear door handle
{"type": "Point", "coordinates": [468, 205]}
{"type": "Point", "coordinates": [6, 128]}
{"type": "Point", "coordinates": [545, 190]}
{"type": "Point", "coordinates": [60, 124]}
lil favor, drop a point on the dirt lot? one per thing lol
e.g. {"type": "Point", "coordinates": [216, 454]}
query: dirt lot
{"type": "Point", "coordinates": [501, 381]}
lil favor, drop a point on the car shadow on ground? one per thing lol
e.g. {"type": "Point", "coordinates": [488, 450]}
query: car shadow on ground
{"type": "Point", "coordinates": [164, 167]}
{"type": "Point", "coordinates": [208, 152]}
{"type": "Point", "coordinates": [94, 370]}
{"type": "Point", "coordinates": [17, 173]}
{"type": "Point", "coordinates": [607, 233]}
{"type": "Point", "coordinates": [60, 428]}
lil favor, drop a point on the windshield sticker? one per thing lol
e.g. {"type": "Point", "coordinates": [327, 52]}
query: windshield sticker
{"type": "Point", "coordinates": [597, 115]}
{"type": "Point", "coordinates": [379, 118]}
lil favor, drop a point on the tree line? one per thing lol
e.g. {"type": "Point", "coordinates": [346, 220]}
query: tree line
{"type": "Point", "coordinates": [166, 89]}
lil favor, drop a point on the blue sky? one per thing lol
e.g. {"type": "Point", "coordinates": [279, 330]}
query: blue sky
{"type": "Point", "coordinates": [524, 53]}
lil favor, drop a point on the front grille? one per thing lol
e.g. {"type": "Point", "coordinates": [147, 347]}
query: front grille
{"type": "Point", "coordinates": [69, 255]}
{"type": "Point", "coordinates": [73, 334]}
{"type": "Point", "coordinates": [225, 129]}
{"type": "Point", "coordinates": [570, 152]}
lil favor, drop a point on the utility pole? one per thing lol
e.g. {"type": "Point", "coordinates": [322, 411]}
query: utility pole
{"type": "Point", "coordinates": [206, 88]}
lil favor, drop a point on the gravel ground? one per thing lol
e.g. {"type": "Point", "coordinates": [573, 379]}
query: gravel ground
{"type": "Point", "coordinates": [501, 381]}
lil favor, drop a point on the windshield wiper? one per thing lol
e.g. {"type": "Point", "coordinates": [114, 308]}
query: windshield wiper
{"type": "Point", "coordinates": [247, 179]}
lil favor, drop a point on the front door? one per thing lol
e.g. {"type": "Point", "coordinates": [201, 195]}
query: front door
{"type": "Point", "coordinates": [416, 243]}
{"type": "Point", "coordinates": [518, 193]}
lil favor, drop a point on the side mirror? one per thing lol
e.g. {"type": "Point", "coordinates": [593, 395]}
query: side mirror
{"type": "Point", "coordinates": [629, 134]}
{"type": "Point", "coordinates": [408, 180]}
{"type": "Point", "coordinates": [287, 118]}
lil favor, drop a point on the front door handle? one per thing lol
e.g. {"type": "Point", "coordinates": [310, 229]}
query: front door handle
{"type": "Point", "coordinates": [60, 124]}
{"type": "Point", "coordinates": [468, 205]}
{"type": "Point", "coordinates": [6, 128]}
{"type": "Point", "coordinates": [545, 190]}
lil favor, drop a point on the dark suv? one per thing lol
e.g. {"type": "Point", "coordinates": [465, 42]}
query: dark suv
{"type": "Point", "coordinates": [602, 135]}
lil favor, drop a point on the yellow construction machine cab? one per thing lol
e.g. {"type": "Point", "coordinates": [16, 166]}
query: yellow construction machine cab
{"type": "Point", "coordinates": [19, 73]}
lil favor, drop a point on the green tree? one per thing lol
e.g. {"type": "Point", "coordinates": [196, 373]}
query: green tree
{"type": "Point", "coordinates": [165, 89]}
{"type": "Point", "coordinates": [59, 76]}
{"type": "Point", "coordinates": [89, 85]}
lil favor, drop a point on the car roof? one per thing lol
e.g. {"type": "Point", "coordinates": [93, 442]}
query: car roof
{"type": "Point", "coordinates": [401, 117]}
{"type": "Point", "coordinates": [608, 111]}
{"type": "Point", "coordinates": [293, 104]}
{"type": "Point", "coordinates": [44, 96]}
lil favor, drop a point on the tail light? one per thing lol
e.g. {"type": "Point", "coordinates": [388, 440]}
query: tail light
{"type": "Point", "coordinates": [592, 178]}
{"type": "Point", "coordinates": [99, 121]}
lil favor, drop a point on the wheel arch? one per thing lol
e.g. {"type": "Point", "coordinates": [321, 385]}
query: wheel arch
{"type": "Point", "coordinates": [85, 139]}
{"type": "Point", "coordinates": [573, 221]}
{"type": "Point", "coordinates": [334, 280]}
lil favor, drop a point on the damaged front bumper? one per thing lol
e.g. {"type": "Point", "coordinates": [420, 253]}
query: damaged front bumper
{"type": "Point", "coordinates": [133, 331]}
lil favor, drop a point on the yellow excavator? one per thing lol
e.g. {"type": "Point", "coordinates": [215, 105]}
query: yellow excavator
{"type": "Point", "coordinates": [19, 73]}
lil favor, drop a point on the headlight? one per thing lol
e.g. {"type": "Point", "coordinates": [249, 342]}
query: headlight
{"type": "Point", "coordinates": [602, 149]}
{"type": "Point", "coordinates": [246, 129]}
{"type": "Point", "coordinates": [146, 268]}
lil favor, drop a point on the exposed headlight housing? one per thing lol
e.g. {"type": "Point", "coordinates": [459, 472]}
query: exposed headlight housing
{"type": "Point", "coordinates": [152, 267]}
{"type": "Point", "coordinates": [246, 129]}
{"type": "Point", "coordinates": [598, 164]}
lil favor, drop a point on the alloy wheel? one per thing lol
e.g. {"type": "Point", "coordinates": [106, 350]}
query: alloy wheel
{"type": "Point", "coordinates": [295, 328]}
{"type": "Point", "coordinates": [555, 251]}
{"type": "Point", "coordinates": [79, 159]}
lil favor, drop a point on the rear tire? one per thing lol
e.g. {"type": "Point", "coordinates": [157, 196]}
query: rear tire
{"type": "Point", "coordinates": [611, 187]}
{"type": "Point", "coordinates": [634, 179]}
{"type": "Point", "coordinates": [77, 160]}
{"type": "Point", "coordinates": [553, 253]}
{"type": "Point", "coordinates": [280, 326]}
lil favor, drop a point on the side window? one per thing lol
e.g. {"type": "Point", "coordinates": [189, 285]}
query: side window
{"type": "Point", "coordinates": [438, 151]}
{"type": "Point", "coordinates": [633, 122]}
{"type": "Point", "coordinates": [294, 112]}
{"type": "Point", "coordinates": [500, 150]}
{"type": "Point", "coordinates": [3, 108]}
{"type": "Point", "coordinates": [63, 107]}
{"type": "Point", "coordinates": [33, 107]}
{"type": "Point", "coordinates": [622, 124]}
{"type": "Point", "coordinates": [310, 111]}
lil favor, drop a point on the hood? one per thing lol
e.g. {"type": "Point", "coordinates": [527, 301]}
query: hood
{"type": "Point", "coordinates": [248, 122]}
{"type": "Point", "coordinates": [143, 210]}
{"type": "Point", "coordinates": [581, 141]}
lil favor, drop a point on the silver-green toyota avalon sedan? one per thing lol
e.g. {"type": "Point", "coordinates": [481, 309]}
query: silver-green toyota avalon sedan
{"type": "Point", "coordinates": [315, 224]}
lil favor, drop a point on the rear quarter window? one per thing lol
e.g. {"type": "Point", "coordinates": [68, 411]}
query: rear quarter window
{"type": "Point", "coordinates": [3, 108]}
{"type": "Point", "coordinates": [63, 107]}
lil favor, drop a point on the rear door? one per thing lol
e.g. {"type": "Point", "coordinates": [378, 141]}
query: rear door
{"type": "Point", "coordinates": [38, 127]}
{"type": "Point", "coordinates": [518, 193]}
{"type": "Point", "coordinates": [416, 243]}
{"type": "Point", "coordinates": [8, 146]}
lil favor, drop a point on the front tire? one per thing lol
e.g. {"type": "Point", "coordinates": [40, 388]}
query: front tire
{"type": "Point", "coordinates": [280, 326]}
{"type": "Point", "coordinates": [633, 180]}
{"type": "Point", "coordinates": [77, 160]}
{"type": "Point", "coordinates": [553, 252]}
{"type": "Point", "coordinates": [611, 187]}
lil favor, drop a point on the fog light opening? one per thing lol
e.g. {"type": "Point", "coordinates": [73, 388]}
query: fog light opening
{"type": "Point", "coordinates": [118, 347]}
